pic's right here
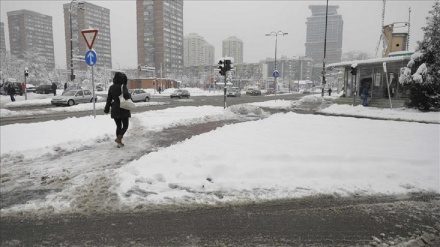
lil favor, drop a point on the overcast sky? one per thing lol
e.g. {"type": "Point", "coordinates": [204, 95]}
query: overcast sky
{"type": "Point", "coordinates": [248, 20]}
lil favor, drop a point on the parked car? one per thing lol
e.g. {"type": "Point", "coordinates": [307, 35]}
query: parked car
{"type": "Point", "coordinates": [255, 92]}
{"type": "Point", "coordinates": [270, 91]}
{"type": "Point", "coordinates": [250, 90]}
{"type": "Point", "coordinates": [73, 97]}
{"type": "Point", "coordinates": [69, 88]}
{"type": "Point", "coordinates": [234, 92]}
{"type": "Point", "coordinates": [99, 87]}
{"type": "Point", "coordinates": [30, 88]}
{"type": "Point", "coordinates": [139, 95]}
{"type": "Point", "coordinates": [17, 85]}
{"type": "Point", "coordinates": [180, 93]}
{"type": "Point", "coordinates": [44, 89]}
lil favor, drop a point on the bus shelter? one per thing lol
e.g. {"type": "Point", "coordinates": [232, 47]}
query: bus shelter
{"type": "Point", "coordinates": [370, 73]}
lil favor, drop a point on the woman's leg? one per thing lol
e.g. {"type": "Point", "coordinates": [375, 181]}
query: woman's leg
{"type": "Point", "coordinates": [118, 122]}
{"type": "Point", "coordinates": [125, 123]}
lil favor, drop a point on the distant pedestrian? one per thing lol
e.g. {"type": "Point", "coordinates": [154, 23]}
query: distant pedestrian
{"type": "Point", "coordinates": [329, 92]}
{"type": "Point", "coordinates": [160, 89]}
{"type": "Point", "coordinates": [121, 116]}
{"type": "Point", "coordinates": [11, 92]}
{"type": "Point", "coordinates": [65, 86]}
{"type": "Point", "coordinates": [54, 88]}
{"type": "Point", "coordinates": [364, 95]}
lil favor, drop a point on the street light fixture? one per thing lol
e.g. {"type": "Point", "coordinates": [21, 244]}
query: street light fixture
{"type": "Point", "coordinates": [79, 5]}
{"type": "Point", "coordinates": [273, 33]}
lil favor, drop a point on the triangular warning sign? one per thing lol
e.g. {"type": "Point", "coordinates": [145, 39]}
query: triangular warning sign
{"type": "Point", "coordinates": [89, 36]}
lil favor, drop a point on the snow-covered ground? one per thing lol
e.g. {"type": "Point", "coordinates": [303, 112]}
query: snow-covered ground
{"type": "Point", "coordinates": [282, 155]}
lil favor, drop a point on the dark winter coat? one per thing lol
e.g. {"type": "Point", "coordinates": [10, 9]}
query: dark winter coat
{"type": "Point", "coordinates": [113, 102]}
{"type": "Point", "coordinates": [11, 90]}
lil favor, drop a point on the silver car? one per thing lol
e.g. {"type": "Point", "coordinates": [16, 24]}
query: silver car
{"type": "Point", "coordinates": [73, 97]}
{"type": "Point", "coordinates": [180, 93]}
{"type": "Point", "coordinates": [234, 92]}
{"type": "Point", "coordinates": [139, 95]}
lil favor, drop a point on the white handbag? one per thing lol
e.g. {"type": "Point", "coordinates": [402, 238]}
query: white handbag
{"type": "Point", "coordinates": [126, 104]}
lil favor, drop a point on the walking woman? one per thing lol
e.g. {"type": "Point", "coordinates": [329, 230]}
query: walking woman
{"type": "Point", "coordinates": [120, 115]}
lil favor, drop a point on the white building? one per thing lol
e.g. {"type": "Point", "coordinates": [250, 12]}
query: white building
{"type": "Point", "coordinates": [233, 47]}
{"type": "Point", "coordinates": [197, 51]}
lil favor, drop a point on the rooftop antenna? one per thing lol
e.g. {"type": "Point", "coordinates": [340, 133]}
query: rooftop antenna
{"type": "Point", "coordinates": [382, 36]}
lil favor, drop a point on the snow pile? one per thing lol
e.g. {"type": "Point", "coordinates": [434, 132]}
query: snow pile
{"type": "Point", "coordinates": [404, 114]}
{"type": "Point", "coordinates": [77, 167]}
{"type": "Point", "coordinates": [302, 160]}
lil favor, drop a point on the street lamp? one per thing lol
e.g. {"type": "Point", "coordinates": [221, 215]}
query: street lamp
{"type": "Point", "coordinates": [325, 46]}
{"type": "Point", "coordinates": [79, 5]}
{"type": "Point", "coordinates": [273, 33]}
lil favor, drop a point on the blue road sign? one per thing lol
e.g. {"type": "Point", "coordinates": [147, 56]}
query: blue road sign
{"type": "Point", "coordinates": [91, 57]}
{"type": "Point", "coordinates": [276, 73]}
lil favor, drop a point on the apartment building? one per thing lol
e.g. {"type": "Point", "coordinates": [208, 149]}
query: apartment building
{"type": "Point", "coordinates": [197, 51]}
{"type": "Point", "coordinates": [160, 36]}
{"type": "Point", "coordinates": [233, 47]}
{"type": "Point", "coordinates": [30, 30]}
{"type": "Point", "coordinates": [2, 38]}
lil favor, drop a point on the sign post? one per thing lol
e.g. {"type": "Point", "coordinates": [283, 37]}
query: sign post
{"type": "Point", "coordinates": [91, 57]}
{"type": "Point", "coordinates": [388, 84]}
{"type": "Point", "coordinates": [26, 74]}
{"type": "Point", "coordinates": [276, 74]}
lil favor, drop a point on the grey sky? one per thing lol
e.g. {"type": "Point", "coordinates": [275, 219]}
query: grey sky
{"type": "Point", "coordinates": [248, 20]}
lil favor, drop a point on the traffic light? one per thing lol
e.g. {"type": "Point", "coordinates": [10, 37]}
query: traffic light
{"type": "Point", "coordinates": [72, 77]}
{"type": "Point", "coordinates": [222, 67]}
{"type": "Point", "coordinates": [228, 64]}
{"type": "Point", "coordinates": [26, 72]}
{"type": "Point", "coordinates": [353, 70]}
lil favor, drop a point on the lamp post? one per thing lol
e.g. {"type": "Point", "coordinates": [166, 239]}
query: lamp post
{"type": "Point", "coordinates": [273, 33]}
{"type": "Point", "coordinates": [300, 70]}
{"type": "Point", "coordinates": [79, 5]}
{"type": "Point", "coordinates": [325, 46]}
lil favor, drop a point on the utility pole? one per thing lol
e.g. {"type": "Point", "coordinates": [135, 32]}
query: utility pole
{"type": "Point", "coordinates": [325, 47]}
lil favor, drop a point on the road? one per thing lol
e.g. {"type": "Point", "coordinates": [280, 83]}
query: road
{"type": "Point", "coordinates": [193, 101]}
{"type": "Point", "coordinates": [324, 220]}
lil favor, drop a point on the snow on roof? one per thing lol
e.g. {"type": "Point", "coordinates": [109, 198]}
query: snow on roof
{"type": "Point", "coordinates": [377, 61]}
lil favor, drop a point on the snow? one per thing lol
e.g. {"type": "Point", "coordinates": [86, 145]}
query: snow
{"type": "Point", "coordinates": [421, 71]}
{"type": "Point", "coordinates": [284, 155]}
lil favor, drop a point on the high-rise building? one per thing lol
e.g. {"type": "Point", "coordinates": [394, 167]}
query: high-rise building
{"type": "Point", "coordinates": [160, 36]}
{"type": "Point", "coordinates": [2, 38]}
{"type": "Point", "coordinates": [197, 51]}
{"type": "Point", "coordinates": [87, 16]}
{"type": "Point", "coordinates": [316, 34]}
{"type": "Point", "coordinates": [233, 47]}
{"type": "Point", "coordinates": [31, 30]}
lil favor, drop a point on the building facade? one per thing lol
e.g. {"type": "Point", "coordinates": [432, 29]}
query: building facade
{"type": "Point", "coordinates": [233, 47]}
{"type": "Point", "coordinates": [84, 17]}
{"type": "Point", "coordinates": [291, 70]}
{"type": "Point", "coordinates": [197, 51]}
{"type": "Point", "coordinates": [160, 36]}
{"type": "Point", "coordinates": [31, 30]}
{"type": "Point", "coordinates": [316, 34]}
{"type": "Point", "coordinates": [2, 39]}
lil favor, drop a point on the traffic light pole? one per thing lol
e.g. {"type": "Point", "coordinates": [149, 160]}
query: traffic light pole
{"type": "Point", "coordinates": [25, 87]}
{"type": "Point", "coordinates": [224, 90]}
{"type": "Point", "coordinates": [353, 86]}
